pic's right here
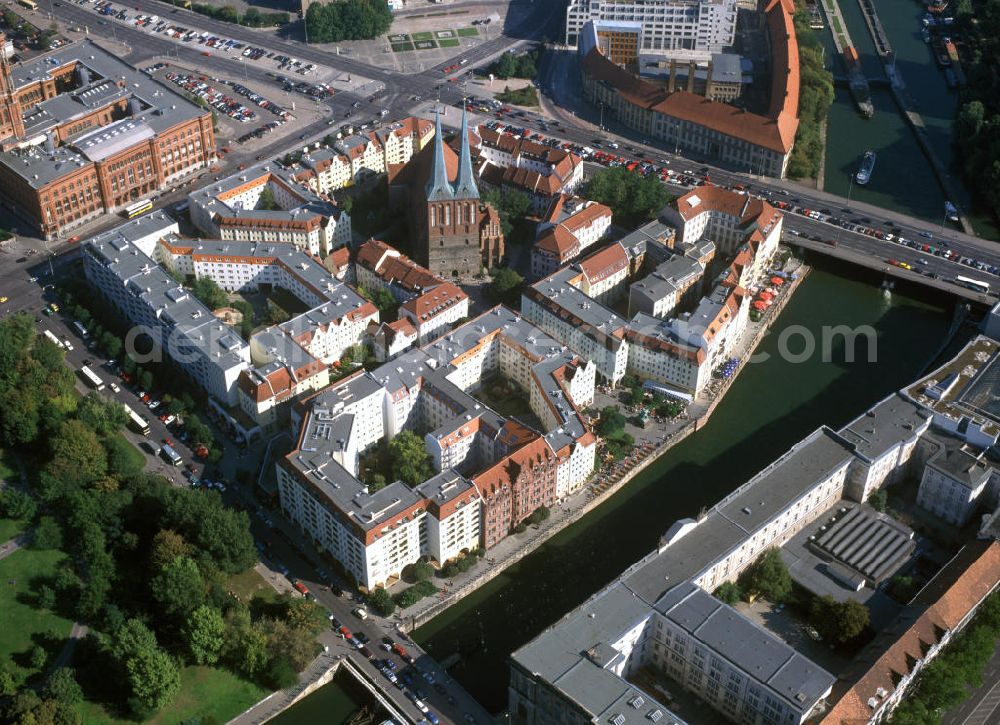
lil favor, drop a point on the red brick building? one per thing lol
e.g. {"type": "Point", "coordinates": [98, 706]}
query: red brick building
{"type": "Point", "coordinates": [454, 231]}
{"type": "Point", "coordinates": [83, 134]}
{"type": "Point", "coordinates": [515, 487]}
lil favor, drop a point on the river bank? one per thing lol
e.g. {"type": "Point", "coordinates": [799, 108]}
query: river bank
{"type": "Point", "coordinates": [774, 403]}
{"type": "Point", "coordinates": [603, 485]}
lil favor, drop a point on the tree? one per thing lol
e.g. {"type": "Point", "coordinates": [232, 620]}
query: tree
{"type": "Point", "coordinates": [409, 458]}
{"type": "Point", "coordinates": [347, 20]}
{"type": "Point", "coordinates": [422, 571]}
{"type": "Point", "coordinates": [879, 500]}
{"type": "Point", "coordinates": [209, 293]}
{"type": "Point", "coordinates": [506, 286]}
{"type": "Point", "coordinates": [111, 344]}
{"type": "Point", "coordinates": [633, 199]}
{"type": "Point", "coordinates": [7, 683]}
{"type": "Point", "coordinates": [77, 455]}
{"type": "Point", "coordinates": [611, 423]}
{"type": "Point", "coordinates": [729, 592]}
{"type": "Point", "coordinates": [38, 657]}
{"type": "Point", "coordinates": [62, 686]}
{"type": "Point", "coordinates": [838, 621]}
{"type": "Point", "coordinates": [48, 534]}
{"type": "Point", "coordinates": [205, 634]}
{"type": "Point", "coordinates": [381, 602]}
{"type": "Point", "coordinates": [15, 504]}
{"type": "Point", "coordinates": [167, 545]}
{"type": "Point", "coordinates": [123, 459]}
{"type": "Point", "coordinates": [246, 649]}
{"type": "Point", "coordinates": [266, 200]}
{"type": "Point", "coordinates": [102, 415]}
{"type": "Point", "coordinates": [179, 588]}
{"type": "Point", "coordinates": [768, 576]}
{"type": "Point", "coordinates": [376, 482]}
{"type": "Point", "coordinates": [153, 678]}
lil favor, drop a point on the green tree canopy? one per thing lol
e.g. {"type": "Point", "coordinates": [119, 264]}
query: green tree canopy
{"type": "Point", "coordinates": [505, 288]}
{"type": "Point", "coordinates": [179, 588]}
{"type": "Point", "coordinates": [347, 20]}
{"type": "Point", "coordinates": [381, 602]}
{"type": "Point", "coordinates": [205, 633]}
{"type": "Point", "coordinates": [633, 199]}
{"type": "Point", "coordinates": [409, 458]}
{"type": "Point", "coordinates": [77, 455]}
{"type": "Point", "coordinates": [838, 621]}
{"type": "Point", "coordinates": [769, 577]}
{"type": "Point", "coordinates": [154, 680]}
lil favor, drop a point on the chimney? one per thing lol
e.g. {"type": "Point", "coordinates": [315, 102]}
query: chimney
{"type": "Point", "coordinates": [692, 66]}
{"type": "Point", "coordinates": [709, 87]}
{"type": "Point", "coordinates": [672, 84]}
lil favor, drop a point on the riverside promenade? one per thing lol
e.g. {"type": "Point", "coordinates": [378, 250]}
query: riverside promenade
{"type": "Point", "coordinates": [606, 481]}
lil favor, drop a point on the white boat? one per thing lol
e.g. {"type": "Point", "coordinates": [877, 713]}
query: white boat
{"type": "Point", "coordinates": [864, 174]}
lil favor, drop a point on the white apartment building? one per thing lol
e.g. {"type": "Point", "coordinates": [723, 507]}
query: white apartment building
{"type": "Point", "coordinates": [954, 480]}
{"type": "Point", "coordinates": [570, 226]}
{"type": "Point", "coordinates": [355, 156]}
{"type": "Point", "coordinates": [375, 534]}
{"type": "Point", "coordinates": [708, 26]}
{"type": "Point", "coordinates": [729, 219]}
{"type": "Point", "coordinates": [430, 304]}
{"type": "Point", "coordinates": [209, 352]}
{"type": "Point", "coordinates": [232, 209]}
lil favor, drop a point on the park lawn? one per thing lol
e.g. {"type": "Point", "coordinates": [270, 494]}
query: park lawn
{"type": "Point", "coordinates": [9, 528]}
{"type": "Point", "coordinates": [448, 43]}
{"type": "Point", "coordinates": [402, 47]}
{"type": "Point", "coordinates": [250, 584]}
{"type": "Point", "coordinates": [208, 694]}
{"type": "Point", "coordinates": [425, 44]}
{"type": "Point", "coordinates": [467, 32]}
{"type": "Point", "coordinates": [493, 393]}
{"type": "Point", "coordinates": [20, 622]}
{"type": "Point", "coordinates": [422, 36]}
{"type": "Point", "coordinates": [136, 458]}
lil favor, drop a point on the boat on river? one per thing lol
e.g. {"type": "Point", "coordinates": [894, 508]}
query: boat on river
{"type": "Point", "coordinates": [857, 83]}
{"type": "Point", "coordinates": [864, 174]}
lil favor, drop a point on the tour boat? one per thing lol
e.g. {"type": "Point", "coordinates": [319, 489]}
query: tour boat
{"type": "Point", "coordinates": [865, 170]}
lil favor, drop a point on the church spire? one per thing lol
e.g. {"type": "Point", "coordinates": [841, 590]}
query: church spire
{"type": "Point", "coordinates": [465, 184]}
{"type": "Point", "coordinates": [438, 188]}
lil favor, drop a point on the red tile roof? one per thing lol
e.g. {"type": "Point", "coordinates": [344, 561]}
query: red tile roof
{"type": "Point", "coordinates": [605, 263]}
{"type": "Point", "coordinates": [503, 474]}
{"type": "Point", "coordinates": [946, 601]}
{"type": "Point", "coordinates": [435, 301]}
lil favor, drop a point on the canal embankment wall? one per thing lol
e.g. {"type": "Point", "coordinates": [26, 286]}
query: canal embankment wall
{"type": "Point", "coordinates": [644, 460]}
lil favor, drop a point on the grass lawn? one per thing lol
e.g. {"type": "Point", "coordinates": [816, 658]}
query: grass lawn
{"type": "Point", "coordinates": [9, 528]}
{"type": "Point", "coordinates": [250, 584]}
{"type": "Point", "coordinates": [207, 694]}
{"type": "Point", "coordinates": [444, 34]}
{"type": "Point", "coordinates": [424, 44]}
{"type": "Point", "coordinates": [467, 32]}
{"type": "Point", "coordinates": [449, 43]}
{"type": "Point", "coordinates": [421, 36]}
{"type": "Point", "coordinates": [136, 458]}
{"type": "Point", "coordinates": [504, 397]}
{"type": "Point", "coordinates": [526, 96]}
{"type": "Point", "coordinates": [22, 626]}
{"type": "Point", "coordinates": [401, 47]}
{"type": "Point", "coordinates": [399, 38]}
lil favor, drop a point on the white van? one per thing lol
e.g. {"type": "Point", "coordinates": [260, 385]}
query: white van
{"type": "Point", "coordinates": [360, 613]}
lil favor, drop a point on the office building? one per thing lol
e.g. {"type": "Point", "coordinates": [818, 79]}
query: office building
{"type": "Point", "coordinates": [83, 134]}
{"type": "Point", "coordinates": [626, 28]}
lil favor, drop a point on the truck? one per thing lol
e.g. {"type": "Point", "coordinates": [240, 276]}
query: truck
{"type": "Point", "coordinates": [151, 447]}
{"type": "Point", "coordinates": [172, 457]}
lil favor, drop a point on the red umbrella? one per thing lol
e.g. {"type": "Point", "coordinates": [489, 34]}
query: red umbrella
{"type": "Point", "coordinates": [766, 296]}
{"type": "Point", "coordinates": [777, 281]}
{"type": "Point", "coordinates": [758, 305]}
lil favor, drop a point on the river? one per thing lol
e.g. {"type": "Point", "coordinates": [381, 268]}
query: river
{"type": "Point", "coordinates": [771, 406]}
{"type": "Point", "coordinates": [903, 179]}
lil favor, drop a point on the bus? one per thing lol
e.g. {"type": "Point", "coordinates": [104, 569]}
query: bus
{"type": "Point", "coordinates": [138, 423]}
{"type": "Point", "coordinates": [53, 339]}
{"type": "Point", "coordinates": [139, 208]}
{"type": "Point", "coordinates": [172, 456]}
{"type": "Point", "coordinates": [973, 284]}
{"type": "Point", "coordinates": [91, 377]}
{"type": "Point", "coordinates": [80, 329]}
{"type": "Point", "coordinates": [30, 4]}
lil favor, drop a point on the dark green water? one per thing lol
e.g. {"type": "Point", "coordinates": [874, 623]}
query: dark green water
{"type": "Point", "coordinates": [332, 704]}
{"type": "Point", "coordinates": [771, 406]}
{"type": "Point", "coordinates": [903, 179]}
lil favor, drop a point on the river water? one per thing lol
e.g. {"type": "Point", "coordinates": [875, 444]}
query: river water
{"type": "Point", "coordinates": [772, 405]}
{"type": "Point", "coordinates": [903, 179]}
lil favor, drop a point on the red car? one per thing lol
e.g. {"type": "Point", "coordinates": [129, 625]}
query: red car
{"type": "Point", "coordinates": [345, 631]}
{"type": "Point", "coordinates": [168, 442]}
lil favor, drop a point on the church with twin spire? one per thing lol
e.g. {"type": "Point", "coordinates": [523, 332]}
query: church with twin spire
{"type": "Point", "coordinates": [454, 232]}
